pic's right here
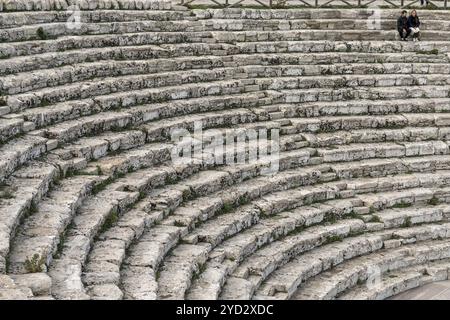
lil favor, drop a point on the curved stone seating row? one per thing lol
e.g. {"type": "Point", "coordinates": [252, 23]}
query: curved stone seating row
{"type": "Point", "coordinates": [396, 282]}
{"type": "Point", "coordinates": [245, 66]}
{"type": "Point", "coordinates": [106, 215]}
{"type": "Point", "coordinates": [89, 267]}
{"type": "Point", "coordinates": [240, 244]}
{"type": "Point", "coordinates": [305, 13]}
{"type": "Point", "coordinates": [348, 260]}
{"type": "Point", "coordinates": [218, 77]}
{"type": "Point", "coordinates": [59, 29]}
{"type": "Point", "coordinates": [313, 24]}
{"type": "Point", "coordinates": [181, 52]}
{"type": "Point", "coordinates": [37, 5]}
{"type": "Point", "coordinates": [14, 19]}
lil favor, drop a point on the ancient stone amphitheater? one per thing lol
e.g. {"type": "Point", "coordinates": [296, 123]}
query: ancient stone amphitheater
{"type": "Point", "coordinates": [92, 205]}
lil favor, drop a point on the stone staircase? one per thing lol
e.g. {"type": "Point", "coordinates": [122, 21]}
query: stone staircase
{"type": "Point", "coordinates": [92, 205]}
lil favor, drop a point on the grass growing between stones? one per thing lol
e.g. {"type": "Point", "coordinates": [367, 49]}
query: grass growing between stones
{"type": "Point", "coordinates": [407, 223]}
{"type": "Point", "coordinates": [401, 205]}
{"type": "Point", "coordinates": [433, 201]}
{"type": "Point", "coordinates": [34, 265]}
{"type": "Point", "coordinates": [2, 101]}
{"type": "Point", "coordinates": [433, 51]}
{"type": "Point", "coordinates": [41, 33]}
{"type": "Point", "coordinates": [110, 220]}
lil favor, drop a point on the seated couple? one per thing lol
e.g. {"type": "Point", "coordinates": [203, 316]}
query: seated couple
{"type": "Point", "coordinates": [409, 26]}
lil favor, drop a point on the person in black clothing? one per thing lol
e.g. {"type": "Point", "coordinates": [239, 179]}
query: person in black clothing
{"type": "Point", "coordinates": [424, 2]}
{"type": "Point", "coordinates": [413, 25]}
{"type": "Point", "coordinates": [402, 26]}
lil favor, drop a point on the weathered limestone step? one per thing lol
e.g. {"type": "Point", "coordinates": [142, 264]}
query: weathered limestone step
{"type": "Point", "coordinates": [237, 253]}
{"type": "Point", "coordinates": [384, 167]}
{"type": "Point", "coordinates": [309, 24]}
{"type": "Point", "coordinates": [90, 125]}
{"type": "Point", "coordinates": [331, 35]}
{"type": "Point", "coordinates": [44, 5]}
{"type": "Point", "coordinates": [28, 81]}
{"type": "Point", "coordinates": [97, 41]}
{"type": "Point", "coordinates": [95, 214]}
{"type": "Point", "coordinates": [197, 78]}
{"type": "Point", "coordinates": [139, 283]}
{"type": "Point", "coordinates": [108, 85]}
{"type": "Point", "coordinates": [313, 46]}
{"type": "Point", "coordinates": [39, 283]}
{"type": "Point", "coordinates": [402, 197]}
{"type": "Point", "coordinates": [313, 63]}
{"type": "Point", "coordinates": [167, 207]}
{"type": "Point", "coordinates": [94, 148]}
{"type": "Point", "coordinates": [396, 282]}
{"type": "Point", "coordinates": [23, 82]}
{"type": "Point", "coordinates": [305, 13]}
{"type": "Point", "coordinates": [146, 256]}
{"type": "Point", "coordinates": [244, 243]}
{"type": "Point", "coordinates": [208, 284]}
{"type": "Point", "coordinates": [190, 185]}
{"type": "Point", "coordinates": [132, 159]}
{"type": "Point", "coordinates": [400, 217]}
{"type": "Point", "coordinates": [17, 19]}
{"type": "Point", "coordinates": [10, 128]}
{"type": "Point", "coordinates": [406, 134]}
{"type": "Point", "coordinates": [128, 98]}
{"type": "Point", "coordinates": [39, 235]}
{"type": "Point", "coordinates": [225, 226]}
{"type": "Point", "coordinates": [407, 191]}
{"type": "Point", "coordinates": [44, 116]}
{"type": "Point", "coordinates": [375, 93]}
{"type": "Point", "coordinates": [28, 185]}
{"type": "Point", "coordinates": [308, 270]}
{"type": "Point", "coordinates": [175, 274]}
{"type": "Point", "coordinates": [61, 29]}
{"type": "Point", "coordinates": [112, 244]}
{"type": "Point", "coordinates": [105, 292]}
{"type": "Point", "coordinates": [355, 122]}
{"type": "Point", "coordinates": [218, 229]}
{"type": "Point", "coordinates": [20, 150]}
{"type": "Point", "coordinates": [337, 62]}
{"type": "Point", "coordinates": [267, 230]}
{"type": "Point", "coordinates": [208, 120]}
{"type": "Point", "coordinates": [361, 107]}
{"type": "Point", "coordinates": [283, 282]}
{"type": "Point", "coordinates": [22, 62]}
{"type": "Point", "coordinates": [351, 81]}
{"type": "Point", "coordinates": [201, 209]}
{"type": "Point", "coordinates": [154, 245]}
{"type": "Point", "coordinates": [9, 290]}
{"type": "Point", "coordinates": [361, 151]}
{"type": "Point", "coordinates": [273, 256]}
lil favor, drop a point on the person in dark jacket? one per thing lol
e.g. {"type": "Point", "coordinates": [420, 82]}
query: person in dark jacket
{"type": "Point", "coordinates": [413, 25]}
{"type": "Point", "coordinates": [402, 26]}
{"type": "Point", "coordinates": [424, 2]}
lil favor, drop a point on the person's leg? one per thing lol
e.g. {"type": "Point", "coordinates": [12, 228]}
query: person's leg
{"type": "Point", "coordinates": [413, 34]}
{"type": "Point", "coordinates": [411, 31]}
{"type": "Point", "coordinates": [400, 32]}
